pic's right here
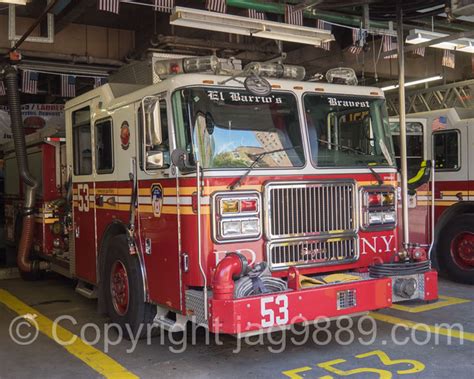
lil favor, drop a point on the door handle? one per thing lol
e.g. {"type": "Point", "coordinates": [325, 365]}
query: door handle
{"type": "Point", "coordinates": [99, 200]}
{"type": "Point", "coordinates": [111, 201]}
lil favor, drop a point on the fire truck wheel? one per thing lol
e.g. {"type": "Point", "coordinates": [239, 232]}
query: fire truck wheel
{"type": "Point", "coordinates": [124, 290]}
{"type": "Point", "coordinates": [456, 249]}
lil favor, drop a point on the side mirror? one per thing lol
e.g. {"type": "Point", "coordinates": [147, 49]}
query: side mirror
{"type": "Point", "coordinates": [155, 159]}
{"type": "Point", "coordinates": [152, 121]}
{"type": "Point", "coordinates": [179, 158]}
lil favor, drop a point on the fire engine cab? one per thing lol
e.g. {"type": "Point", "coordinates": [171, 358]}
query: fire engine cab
{"type": "Point", "coordinates": [242, 199]}
{"type": "Point", "coordinates": [444, 221]}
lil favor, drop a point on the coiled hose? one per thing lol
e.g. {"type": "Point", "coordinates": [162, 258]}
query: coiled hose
{"type": "Point", "coordinates": [397, 269]}
{"type": "Point", "coordinates": [258, 281]}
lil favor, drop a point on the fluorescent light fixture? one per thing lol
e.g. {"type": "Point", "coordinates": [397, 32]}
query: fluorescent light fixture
{"type": "Point", "coordinates": [15, 2]}
{"type": "Point", "coordinates": [226, 23]}
{"type": "Point", "coordinates": [413, 83]}
{"type": "Point", "coordinates": [417, 36]}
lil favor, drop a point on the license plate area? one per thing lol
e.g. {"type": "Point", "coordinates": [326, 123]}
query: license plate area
{"type": "Point", "coordinates": [346, 299]}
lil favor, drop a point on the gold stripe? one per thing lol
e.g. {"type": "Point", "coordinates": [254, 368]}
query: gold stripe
{"type": "Point", "coordinates": [447, 300]}
{"type": "Point", "coordinates": [41, 220]}
{"type": "Point", "coordinates": [88, 354]}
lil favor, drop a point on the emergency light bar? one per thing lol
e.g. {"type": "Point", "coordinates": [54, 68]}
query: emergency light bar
{"type": "Point", "coordinates": [219, 66]}
{"type": "Point", "coordinates": [199, 19]}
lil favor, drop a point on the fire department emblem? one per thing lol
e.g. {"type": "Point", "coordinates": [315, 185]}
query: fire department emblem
{"type": "Point", "coordinates": [125, 135]}
{"type": "Point", "coordinates": [156, 199]}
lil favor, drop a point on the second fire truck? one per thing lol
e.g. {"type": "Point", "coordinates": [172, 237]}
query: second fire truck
{"type": "Point", "coordinates": [242, 200]}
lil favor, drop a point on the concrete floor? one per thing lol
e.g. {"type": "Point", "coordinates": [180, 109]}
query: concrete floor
{"type": "Point", "coordinates": [152, 359]}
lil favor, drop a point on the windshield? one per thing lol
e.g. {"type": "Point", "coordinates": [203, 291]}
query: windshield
{"type": "Point", "coordinates": [231, 128]}
{"type": "Point", "coordinates": [348, 130]}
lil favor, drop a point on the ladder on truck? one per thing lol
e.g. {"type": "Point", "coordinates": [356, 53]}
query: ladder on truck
{"type": "Point", "coordinates": [453, 95]}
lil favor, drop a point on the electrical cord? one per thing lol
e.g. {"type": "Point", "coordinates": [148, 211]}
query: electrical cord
{"type": "Point", "coordinates": [398, 269]}
{"type": "Point", "coordinates": [258, 281]}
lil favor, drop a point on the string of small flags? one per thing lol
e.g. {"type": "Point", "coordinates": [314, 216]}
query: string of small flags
{"type": "Point", "coordinates": [448, 59]}
{"type": "Point", "coordinates": [253, 13]}
{"type": "Point", "coordinates": [292, 16]}
{"type": "Point", "coordinates": [165, 6]}
{"type": "Point", "coordinates": [320, 24]}
{"type": "Point", "coordinates": [420, 51]}
{"type": "Point", "coordinates": [111, 6]}
{"type": "Point", "coordinates": [216, 6]}
{"type": "Point", "coordinates": [389, 44]}
{"type": "Point", "coordinates": [357, 42]}
{"type": "Point", "coordinates": [29, 83]}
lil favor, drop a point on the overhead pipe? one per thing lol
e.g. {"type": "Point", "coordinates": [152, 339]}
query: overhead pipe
{"type": "Point", "coordinates": [337, 18]}
{"type": "Point", "coordinates": [23, 258]}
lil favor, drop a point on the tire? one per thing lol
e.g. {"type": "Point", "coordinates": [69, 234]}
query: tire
{"type": "Point", "coordinates": [456, 249]}
{"type": "Point", "coordinates": [123, 290]}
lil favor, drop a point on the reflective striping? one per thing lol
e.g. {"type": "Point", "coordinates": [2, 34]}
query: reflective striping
{"type": "Point", "coordinates": [46, 220]}
{"type": "Point", "coordinates": [91, 356]}
{"type": "Point", "coordinates": [454, 333]}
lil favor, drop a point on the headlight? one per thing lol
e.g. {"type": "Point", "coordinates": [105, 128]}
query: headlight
{"type": "Point", "coordinates": [236, 216]}
{"type": "Point", "coordinates": [378, 207]}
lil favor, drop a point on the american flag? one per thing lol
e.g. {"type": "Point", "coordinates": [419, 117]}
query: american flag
{"type": "Point", "coordinates": [99, 82]}
{"type": "Point", "coordinates": [293, 17]}
{"type": "Point", "coordinates": [109, 6]}
{"type": "Point", "coordinates": [439, 123]}
{"type": "Point", "coordinates": [389, 43]}
{"type": "Point", "coordinates": [252, 13]}
{"type": "Point", "coordinates": [326, 26]}
{"type": "Point", "coordinates": [29, 82]}
{"type": "Point", "coordinates": [356, 47]}
{"type": "Point", "coordinates": [419, 51]}
{"type": "Point", "coordinates": [68, 85]}
{"type": "Point", "coordinates": [2, 89]}
{"type": "Point", "coordinates": [216, 5]}
{"type": "Point", "coordinates": [448, 59]}
{"type": "Point", "coordinates": [164, 5]}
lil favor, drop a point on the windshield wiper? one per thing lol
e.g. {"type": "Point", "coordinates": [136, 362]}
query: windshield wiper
{"type": "Point", "coordinates": [257, 159]}
{"type": "Point", "coordinates": [374, 173]}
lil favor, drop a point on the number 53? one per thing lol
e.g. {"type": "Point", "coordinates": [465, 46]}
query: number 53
{"type": "Point", "coordinates": [267, 305]}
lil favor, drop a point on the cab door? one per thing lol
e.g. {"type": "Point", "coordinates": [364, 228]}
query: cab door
{"type": "Point", "coordinates": [470, 159]}
{"type": "Point", "coordinates": [82, 160]}
{"type": "Point", "coordinates": [157, 216]}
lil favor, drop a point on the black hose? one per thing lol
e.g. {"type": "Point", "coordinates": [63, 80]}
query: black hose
{"type": "Point", "coordinates": [14, 104]}
{"type": "Point", "coordinates": [398, 269]}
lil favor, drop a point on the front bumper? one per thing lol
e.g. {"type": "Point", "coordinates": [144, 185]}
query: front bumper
{"type": "Point", "coordinates": [251, 314]}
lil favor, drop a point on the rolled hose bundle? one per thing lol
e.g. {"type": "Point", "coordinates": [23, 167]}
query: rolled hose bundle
{"type": "Point", "coordinates": [398, 269]}
{"type": "Point", "coordinates": [258, 281]}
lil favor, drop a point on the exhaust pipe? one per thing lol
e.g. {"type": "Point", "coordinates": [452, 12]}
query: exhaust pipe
{"type": "Point", "coordinates": [13, 95]}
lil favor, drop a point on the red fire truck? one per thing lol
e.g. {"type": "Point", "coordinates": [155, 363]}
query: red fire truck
{"type": "Point", "coordinates": [445, 137]}
{"type": "Point", "coordinates": [239, 199]}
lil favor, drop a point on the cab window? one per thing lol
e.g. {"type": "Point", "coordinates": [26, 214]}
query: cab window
{"type": "Point", "coordinates": [82, 144]}
{"type": "Point", "coordinates": [148, 143]}
{"type": "Point", "coordinates": [104, 151]}
{"type": "Point", "coordinates": [415, 143]}
{"type": "Point", "coordinates": [446, 150]}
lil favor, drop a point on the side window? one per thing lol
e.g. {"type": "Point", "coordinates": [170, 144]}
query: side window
{"type": "Point", "coordinates": [82, 144]}
{"type": "Point", "coordinates": [149, 144]}
{"type": "Point", "coordinates": [414, 145]}
{"type": "Point", "coordinates": [104, 158]}
{"type": "Point", "coordinates": [446, 150]}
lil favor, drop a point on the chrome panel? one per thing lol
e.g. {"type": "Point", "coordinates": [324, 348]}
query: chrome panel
{"type": "Point", "coordinates": [309, 209]}
{"type": "Point", "coordinates": [312, 252]}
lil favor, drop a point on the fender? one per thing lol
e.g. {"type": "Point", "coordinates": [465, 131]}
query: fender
{"type": "Point", "coordinates": [445, 218]}
{"type": "Point", "coordinates": [116, 228]}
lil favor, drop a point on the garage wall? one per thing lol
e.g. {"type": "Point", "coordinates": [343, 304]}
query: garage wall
{"type": "Point", "coordinates": [76, 39]}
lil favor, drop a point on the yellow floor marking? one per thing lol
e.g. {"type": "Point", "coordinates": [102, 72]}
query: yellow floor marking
{"type": "Point", "coordinates": [92, 357]}
{"type": "Point", "coordinates": [455, 333]}
{"type": "Point", "coordinates": [447, 300]}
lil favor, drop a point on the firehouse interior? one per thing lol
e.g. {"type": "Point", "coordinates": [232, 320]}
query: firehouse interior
{"type": "Point", "coordinates": [236, 188]}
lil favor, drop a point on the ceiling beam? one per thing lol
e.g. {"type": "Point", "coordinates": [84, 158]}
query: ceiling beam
{"type": "Point", "coordinates": [72, 12]}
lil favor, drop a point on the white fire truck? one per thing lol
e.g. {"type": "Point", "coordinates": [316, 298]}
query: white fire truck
{"type": "Point", "coordinates": [445, 137]}
{"type": "Point", "coordinates": [240, 199]}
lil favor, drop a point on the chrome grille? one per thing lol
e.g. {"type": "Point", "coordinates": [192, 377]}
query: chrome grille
{"type": "Point", "coordinates": [308, 253]}
{"type": "Point", "coordinates": [309, 209]}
